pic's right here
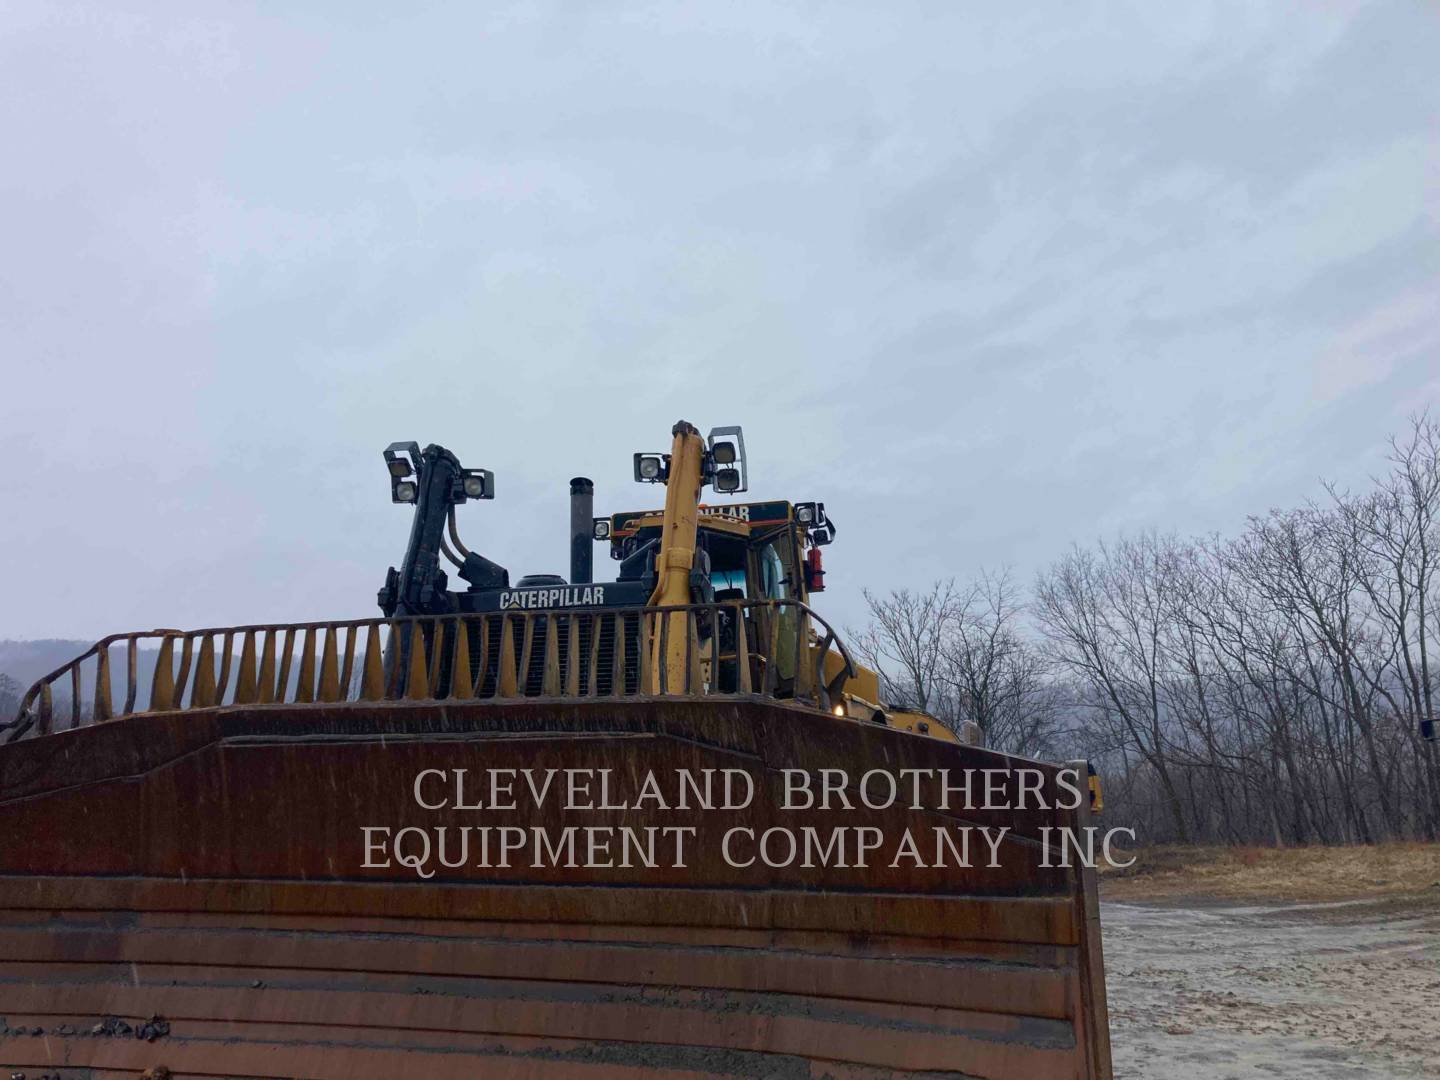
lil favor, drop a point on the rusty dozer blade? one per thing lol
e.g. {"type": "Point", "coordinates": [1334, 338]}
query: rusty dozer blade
{"type": "Point", "coordinates": [245, 879]}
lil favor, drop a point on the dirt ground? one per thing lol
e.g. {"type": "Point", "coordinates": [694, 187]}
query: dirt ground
{"type": "Point", "coordinates": [1268, 875]}
{"type": "Point", "coordinates": [1205, 985]}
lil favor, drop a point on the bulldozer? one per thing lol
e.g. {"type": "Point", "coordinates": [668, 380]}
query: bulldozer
{"type": "Point", "coordinates": [754, 565]}
{"type": "Point", "coordinates": [542, 829]}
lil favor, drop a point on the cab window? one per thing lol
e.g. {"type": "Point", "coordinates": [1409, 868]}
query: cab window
{"type": "Point", "coordinates": [728, 581]}
{"type": "Point", "coordinates": [772, 574]}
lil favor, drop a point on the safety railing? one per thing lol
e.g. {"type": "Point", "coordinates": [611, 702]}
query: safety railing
{"type": "Point", "coordinates": [772, 648]}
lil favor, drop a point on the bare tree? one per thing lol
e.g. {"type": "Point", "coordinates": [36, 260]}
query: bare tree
{"type": "Point", "coordinates": [1395, 531]}
{"type": "Point", "coordinates": [906, 642]}
{"type": "Point", "coordinates": [9, 698]}
{"type": "Point", "coordinates": [997, 678]}
{"type": "Point", "coordinates": [1105, 614]}
{"type": "Point", "coordinates": [1264, 688]}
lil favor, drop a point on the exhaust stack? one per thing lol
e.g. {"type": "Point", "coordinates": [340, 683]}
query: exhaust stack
{"type": "Point", "coordinates": [582, 543]}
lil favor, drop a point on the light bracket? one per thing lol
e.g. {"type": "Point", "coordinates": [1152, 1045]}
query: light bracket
{"type": "Point", "coordinates": [402, 459]}
{"type": "Point", "coordinates": [731, 442]}
{"type": "Point", "coordinates": [811, 517]}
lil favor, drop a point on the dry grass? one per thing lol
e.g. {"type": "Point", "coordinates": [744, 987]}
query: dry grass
{"type": "Point", "coordinates": [1270, 874]}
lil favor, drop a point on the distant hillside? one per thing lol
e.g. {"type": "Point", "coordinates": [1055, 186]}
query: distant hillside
{"type": "Point", "coordinates": [26, 661]}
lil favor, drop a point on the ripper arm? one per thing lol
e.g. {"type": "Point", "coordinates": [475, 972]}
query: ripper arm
{"type": "Point", "coordinates": [419, 585]}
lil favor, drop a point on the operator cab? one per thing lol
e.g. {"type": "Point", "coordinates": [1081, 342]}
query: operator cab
{"type": "Point", "coordinates": [746, 554]}
{"type": "Point", "coordinates": [751, 551]}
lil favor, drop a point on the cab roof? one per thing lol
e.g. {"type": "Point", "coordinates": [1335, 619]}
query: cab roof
{"type": "Point", "coordinates": [729, 517]}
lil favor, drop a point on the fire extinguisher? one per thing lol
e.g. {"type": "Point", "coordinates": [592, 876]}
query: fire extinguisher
{"type": "Point", "coordinates": [814, 571]}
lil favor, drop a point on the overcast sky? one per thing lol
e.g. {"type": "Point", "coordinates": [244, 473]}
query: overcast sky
{"type": "Point", "coordinates": [987, 279]}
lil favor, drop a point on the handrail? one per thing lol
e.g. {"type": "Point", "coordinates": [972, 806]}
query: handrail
{"type": "Point", "coordinates": [560, 653]}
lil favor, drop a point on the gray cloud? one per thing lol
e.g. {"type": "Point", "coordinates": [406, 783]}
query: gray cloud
{"type": "Point", "coordinates": [987, 282]}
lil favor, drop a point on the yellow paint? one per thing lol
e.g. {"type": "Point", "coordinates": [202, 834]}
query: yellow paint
{"type": "Point", "coordinates": [863, 684]}
{"type": "Point", "coordinates": [1097, 796]}
{"type": "Point", "coordinates": [922, 724]}
{"type": "Point", "coordinates": [677, 553]}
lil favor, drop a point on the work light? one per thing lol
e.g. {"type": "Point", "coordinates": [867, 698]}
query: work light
{"type": "Point", "coordinates": [817, 524]}
{"type": "Point", "coordinates": [725, 446]}
{"type": "Point", "coordinates": [651, 468]}
{"type": "Point", "coordinates": [477, 483]}
{"type": "Point", "coordinates": [600, 530]}
{"type": "Point", "coordinates": [401, 460]}
{"type": "Point", "coordinates": [811, 514]}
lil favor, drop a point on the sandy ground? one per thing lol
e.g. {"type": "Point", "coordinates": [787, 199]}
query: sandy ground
{"type": "Point", "coordinates": [1315, 990]}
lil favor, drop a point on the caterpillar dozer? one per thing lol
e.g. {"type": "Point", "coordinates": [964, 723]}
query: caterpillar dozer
{"type": "Point", "coordinates": [554, 828]}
